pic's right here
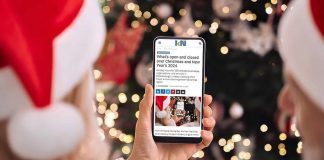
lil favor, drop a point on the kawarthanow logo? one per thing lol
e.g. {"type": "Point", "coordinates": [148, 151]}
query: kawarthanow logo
{"type": "Point", "coordinates": [180, 43]}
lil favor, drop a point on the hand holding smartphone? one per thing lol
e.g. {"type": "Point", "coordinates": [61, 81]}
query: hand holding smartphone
{"type": "Point", "coordinates": [178, 83]}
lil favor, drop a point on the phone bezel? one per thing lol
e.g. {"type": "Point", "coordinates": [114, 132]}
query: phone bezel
{"type": "Point", "coordinates": [179, 139]}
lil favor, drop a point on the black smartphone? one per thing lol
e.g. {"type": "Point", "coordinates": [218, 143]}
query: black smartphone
{"type": "Point", "coordinates": [178, 82]}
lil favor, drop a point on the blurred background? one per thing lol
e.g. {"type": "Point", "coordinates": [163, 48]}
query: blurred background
{"type": "Point", "coordinates": [242, 66]}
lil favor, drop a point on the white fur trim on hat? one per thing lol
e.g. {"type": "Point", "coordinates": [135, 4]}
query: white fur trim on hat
{"type": "Point", "coordinates": [302, 49]}
{"type": "Point", "coordinates": [46, 133]}
{"type": "Point", "coordinates": [161, 114]}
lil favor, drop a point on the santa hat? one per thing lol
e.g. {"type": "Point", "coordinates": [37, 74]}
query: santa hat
{"type": "Point", "coordinates": [46, 48]}
{"type": "Point", "coordinates": [162, 102]}
{"type": "Point", "coordinates": [301, 42]}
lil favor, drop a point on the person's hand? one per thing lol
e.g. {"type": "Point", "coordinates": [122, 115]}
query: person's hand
{"type": "Point", "coordinates": [145, 147]}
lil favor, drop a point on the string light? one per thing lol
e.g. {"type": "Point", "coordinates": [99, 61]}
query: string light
{"type": "Point", "coordinates": [106, 9]}
{"type": "Point", "coordinates": [214, 25]}
{"type": "Point", "coordinates": [115, 115]}
{"type": "Point", "coordinates": [226, 9]}
{"type": "Point", "coordinates": [267, 147]}
{"type": "Point", "coordinates": [297, 133]}
{"type": "Point", "coordinates": [121, 137]}
{"type": "Point", "coordinates": [126, 150]}
{"type": "Point", "coordinates": [113, 107]}
{"type": "Point", "coordinates": [101, 109]}
{"type": "Point", "coordinates": [136, 7]}
{"type": "Point", "coordinates": [281, 146]}
{"type": "Point", "coordinates": [109, 114]}
{"type": "Point", "coordinates": [267, 5]}
{"type": "Point", "coordinates": [147, 14]}
{"type": "Point", "coordinates": [109, 122]}
{"type": "Point", "coordinates": [283, 152]}
{"type": "Point", "coordinates": [122, 97]}
{"type": "Point", "coordinates": [138, 13]}
{"type": "Point", "coordinates": [246, 142]}
{"type": "Point", "coordinates": [236, 138]}
{"type": "Point", "coordinates": [274, 1]}
{"type": "Point", "coordinates": [282, 136]}
{"type": "Point", "coordinates": [268, 10]}
{"type": "Point", "coordinates": [199, 154]}
{"type": "Point", "coordinates": [154, 22]}
{"type": "Point", "coordinates": [283, 7]}
{"type": "Point", "coordinates": [243, 16]}
{"type": "Point", "coordinates": [248, 15]}
{"type": "Point", "coordinates": [234, 158]}
{"type": "Point", "coordinates": [247, 155]}
{"type": "Point", "coordinates": [222, 142]}
{"type": "Point", "coordinates": [97, 74]}
{"type": "Point", "coordinates": [103, 103]}
{"type": "Point", "coordinates": [182, 12]}
{"type": "Point", "coordinates": [299, 147]}
{"type": "Point", "coordinates": [135, 98]}
{"type": "Point", "coordinates": [128, 139]}
{"type": "Point", "coordinates": [254, 0]}
{"type": "Point", "coordinates": [171, 20]}
{"type": "Point", "coordinates": [198, 23]}
{"type": "Point", "coordinates": [190, 31]}
{"type": "Point", "coordinates": [135, 24]}
{"type": "Point", "coordinates": [130, 6]}
{"type": "Point", "coordinates": [137, 114]}
{"type": "Point", "coordinates": [164, 28]}
{"type": "Point", "coordinates": [224, 50]}
{"type": "Point", "coordinates": [241, 155]}
{"type": "Point", "coordinates": [263, 128]}
{"type": "Point", "coordinates": [100, 96]}
{"type": "Point", "coordinates": [212, 30]}
{"type": "Point", "coordinates": [113, 132]}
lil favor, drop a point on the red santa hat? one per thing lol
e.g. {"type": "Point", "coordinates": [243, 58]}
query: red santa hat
{"type": "Point", "coordinates": [46, 48]}
{"type": "Point", "coordinates": [301, 44]}
{"type": "Point", "coordinates": [162, 102]}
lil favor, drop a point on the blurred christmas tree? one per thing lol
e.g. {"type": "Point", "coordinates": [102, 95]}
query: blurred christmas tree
{"type": "Point", "coordinates": [242, 65]}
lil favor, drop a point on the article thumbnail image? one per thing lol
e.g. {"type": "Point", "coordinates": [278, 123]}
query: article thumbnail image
{"type": "Point", "coordinates": [177, 111]}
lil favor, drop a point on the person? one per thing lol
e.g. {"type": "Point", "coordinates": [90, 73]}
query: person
{"type": "Point", "coordinates": [301, 44]}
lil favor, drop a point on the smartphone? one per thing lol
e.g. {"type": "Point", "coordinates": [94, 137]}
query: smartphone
{"type": "Point", "coordinates": [178, 82]}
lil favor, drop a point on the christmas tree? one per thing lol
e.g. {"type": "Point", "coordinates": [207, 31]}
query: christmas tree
{"type": "Point", "coordinates": [243, 68]}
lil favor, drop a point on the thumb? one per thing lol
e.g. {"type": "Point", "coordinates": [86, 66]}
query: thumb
{"type": "Point", "coordinates": [144, 123]}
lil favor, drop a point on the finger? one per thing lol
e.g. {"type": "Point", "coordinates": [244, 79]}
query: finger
{"type": "Point", "coordinates": [145, 106]}
{"type": "Point", "coordinates": [146, 103]}
{"type": "Point", "coordinates": [209, 123]}
{"type": "Point", "coordinates": [207, 138]}
{"type": "Point", "coordinates": [205, 80]}
{"type": "Point", "coordinates": [207, 99]}
{"type": "Point", "coordinates": [208, 112]}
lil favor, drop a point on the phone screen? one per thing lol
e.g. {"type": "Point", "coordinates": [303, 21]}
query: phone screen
{"type": "Point", "coordinates": [178, 87]}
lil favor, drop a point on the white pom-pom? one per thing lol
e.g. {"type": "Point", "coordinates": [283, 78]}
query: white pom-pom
{"type": "Point", "coordinates": [161, 114]}
{"type": "Point", "coordinates": [46, 133]}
